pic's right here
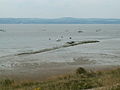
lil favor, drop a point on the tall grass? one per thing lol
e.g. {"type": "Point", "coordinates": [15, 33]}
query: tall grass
{"type": "Point", "coordinates": [81, 79]}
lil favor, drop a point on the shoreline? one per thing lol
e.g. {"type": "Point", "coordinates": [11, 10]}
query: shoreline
{"type": "Point", "coordinates": [50, 70]}
{"type": "Point", "coordinates": [31, 67]}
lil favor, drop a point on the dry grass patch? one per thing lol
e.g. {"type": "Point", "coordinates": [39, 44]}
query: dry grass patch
{"type": "Point", "coordinates": [79, 80]}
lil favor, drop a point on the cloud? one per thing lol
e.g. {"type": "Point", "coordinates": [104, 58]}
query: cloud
{"type": "Point", "coordinates": [59, 8]}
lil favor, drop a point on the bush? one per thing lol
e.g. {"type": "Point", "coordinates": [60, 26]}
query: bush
{"type": "Point", "coordinates": [7, 82]}
{"type": "Point", "coordinates": [81, 70]}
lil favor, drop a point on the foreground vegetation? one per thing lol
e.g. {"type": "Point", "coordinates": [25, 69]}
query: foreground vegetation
{"type": "Point", "coordinates": [78, 80]}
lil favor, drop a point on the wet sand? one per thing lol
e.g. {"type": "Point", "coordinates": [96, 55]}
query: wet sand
{"type": "Point", "coordinates": [45, 70]}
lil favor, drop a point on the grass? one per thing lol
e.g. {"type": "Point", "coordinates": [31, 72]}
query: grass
{"type": "Point", "coordinates": [81, 79]}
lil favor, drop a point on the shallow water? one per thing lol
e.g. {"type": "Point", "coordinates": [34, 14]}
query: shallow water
{"type": "Point", "coordinates": [23, 37]}
{"type": "Point", "coordinates": [26, 38]}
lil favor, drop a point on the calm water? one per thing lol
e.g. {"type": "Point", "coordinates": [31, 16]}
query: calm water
{"type": "Point", "coordinates": [24, 38]}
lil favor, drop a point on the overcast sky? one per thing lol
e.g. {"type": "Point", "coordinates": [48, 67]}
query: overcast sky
{"type": "Point", "coordinates": [60, 8]}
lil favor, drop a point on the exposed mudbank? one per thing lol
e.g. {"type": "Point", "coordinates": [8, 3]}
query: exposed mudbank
{"type": "Point", "coordinates": [68, 44]}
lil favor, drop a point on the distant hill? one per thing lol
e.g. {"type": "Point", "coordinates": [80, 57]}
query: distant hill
{"type": "Point", "coordinates": [64, 20]}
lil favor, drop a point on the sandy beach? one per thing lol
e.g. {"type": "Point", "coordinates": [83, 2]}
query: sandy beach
{"type": "Point", "coordinates": [35, 70]}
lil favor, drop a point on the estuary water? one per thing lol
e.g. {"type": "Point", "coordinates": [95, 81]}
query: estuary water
{"type": "Point", "coordinates": [23, 38]}
{"type": "Point", "coordinates": [19, 38]}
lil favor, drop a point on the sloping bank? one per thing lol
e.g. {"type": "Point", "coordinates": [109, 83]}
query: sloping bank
{"type": "Point", "coordinates": [80, 79]}
{"type": "Point", "coordinates": [68, 44]}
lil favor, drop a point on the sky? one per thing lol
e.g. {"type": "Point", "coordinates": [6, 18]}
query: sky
{"type": "Point", "coordinates": [59, 8]}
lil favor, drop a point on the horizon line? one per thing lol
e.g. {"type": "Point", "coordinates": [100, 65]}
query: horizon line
{"type": "Point", "coordinates": [57, 18]}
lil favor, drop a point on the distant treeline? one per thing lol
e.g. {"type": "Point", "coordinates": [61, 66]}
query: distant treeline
{"type": "Point", "coordinates": [64, 20]}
